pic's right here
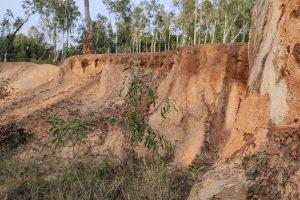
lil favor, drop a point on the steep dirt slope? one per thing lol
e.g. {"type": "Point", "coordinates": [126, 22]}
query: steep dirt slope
{"type": "Point", "coordinates": [263, 148]}
{"type": "Point", "coordinates": [207, 81]}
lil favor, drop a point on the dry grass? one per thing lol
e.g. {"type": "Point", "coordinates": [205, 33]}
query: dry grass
{"type": "Point", "coordinates": [87, 178]}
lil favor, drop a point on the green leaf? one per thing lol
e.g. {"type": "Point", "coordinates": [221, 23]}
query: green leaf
{"type": "Point", "coordinates": [175, 108]}
{"type": "Point", "coordinates": [161, 112]}
{"type": "Point", "coordinates": [85, 141]}
{"type": "Point", "coordinates": [54, 140]}
{"type": "Point", "coordinates": [126, 69]}
{"type": "Point", "coordinates": [168, 107]}
{"type": "Point", "coordinates": [203, 167]}
{"type": "Point", "coordinates": [151, 75]}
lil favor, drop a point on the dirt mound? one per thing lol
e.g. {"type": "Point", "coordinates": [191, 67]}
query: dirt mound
{"type": "Point", "coordinates": [26, 76]}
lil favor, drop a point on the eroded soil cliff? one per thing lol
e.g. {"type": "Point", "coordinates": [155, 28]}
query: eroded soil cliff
{"type": "Point", "coordinates": [207, 81]}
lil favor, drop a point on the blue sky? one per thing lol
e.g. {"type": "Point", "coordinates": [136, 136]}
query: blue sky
{"type": "Point", "coordinates": [96, 7]}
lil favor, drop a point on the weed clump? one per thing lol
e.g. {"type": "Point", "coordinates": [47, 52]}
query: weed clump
{"type": "Point", "coordinates": [89, 178]}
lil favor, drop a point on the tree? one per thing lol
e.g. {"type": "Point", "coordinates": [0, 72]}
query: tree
{"type": "Point", "coordinates": [100, 37]}
{"type": "Point", "coordinates": [208, 9]}
{"type": "Point", "coordinates": [196, 11]}
{"type": "Point", "coordinates": [122, 10]}
{"type": "Point", "coordinates": [9, 29]}
{"type": "Point", "coordinates": [35, 41]}
{"type": "Point", "coordinates": [20, 45]}
{"type": "Point", "coordinates": [88, 40]}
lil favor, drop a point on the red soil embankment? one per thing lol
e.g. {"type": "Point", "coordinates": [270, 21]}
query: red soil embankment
{"type": "Point", "coordinates": [207, 81]}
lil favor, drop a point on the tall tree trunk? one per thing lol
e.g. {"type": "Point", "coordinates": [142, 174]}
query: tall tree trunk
{"type": "Point", "coordinates": [116, 42]}
{"type": "Point", "coordinates": [63, 42]}
{"type": "Point", "coordinates": [169, 40]}
{"type": "Point", "coordinates": [183, 39]}
{"type": "Point", "coordinates": [146, 47]}
{"type": "Point", "coordinates": [196, 9]}
{"type": "Point", "coordinates": [207, 27]}
{"type": "Point", "coordinates": [200, 25]}
{"type": "Point", "coordinates": [5, 60]}
{"type": "Point", "coordinates": [224, 35]}
{"type": "Point", "coordinates": [133, 43]}
{"type": "Point", "coordinates": [54, 41]}
{"type": "Point", "coordinates": [244, 32]}
{"type": "Point", "coordinates": [67, 47]}
{"type": "Point", "coordinates": [88, 41]}
{"type": "Point", "coordinates": [177, 40]}
{"type": "Point", "coordinates": [213, 34]}
{"type": "Point", "coordinates": [159, 42]}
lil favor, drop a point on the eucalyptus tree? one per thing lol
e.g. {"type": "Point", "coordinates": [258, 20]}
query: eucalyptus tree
{"type": "Point", "coordinates": [170, 19]}
{"type": "Point", "coordinates": [186, 18]}
{"type": "Point", "coordinates": [228, 11]}
{"type": "Point", "coordinates": [200, 21]}
{"type": "Point", "coordinates": [215, 17]}
{"type": "Point", "coordinates": [72, 15]}
{"type": "Point", "coordinates": [122, 10]}
{"type": "Point", "coordinates": [244, 19]}
{"type": "Point", "coordinates": [137, 26]}
{"type": "Point", "coordinates": [160, 24]}
{"type": "Point", "coordinates": [20, 44]}
{"type": "Point", "coordinates": [208, 9]}
{"type": "Point", "coordinates": [48, 20]}
{"type": "Point", "coordinates": [88, 41]}
{"type": "Point", "coordinates": [100, 37]}
{"type": "Point", "coordinates": [151, 8]}
{"type": "Point", "coordinates": [35, 42]}
{"type": "Point", "coordinates": [196, 11]}
{"type": "Point", "coordinates": [10, 26]}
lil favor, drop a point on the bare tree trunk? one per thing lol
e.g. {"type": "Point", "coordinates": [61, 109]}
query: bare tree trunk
{"type": "Point", "coordinates": [133, 42]}
{"type": "Point", "coordinates": [224, 36]}
{"type": "Point", "coordinates": [159, 42]}
{"type": "Point", "coordinates": [146, 47]}
{"type": "Point", "coordinates": [200, 26]}
{"type": "Point", "coordinates": [213, 34]}
{"type": "Point", "coordinates": [177, 39]}
{"type": "Point", "coordinates": [116, 42]}
{"type": "Point", "coordinates": [169, 40]}
{"type": "Point", "coordinates": [183, 39]}
{"type": "Point", "coordinates": [244, 32]}
{"type": "Point", "coordinates": [207, 28]}
{"type": "Point", "coordinates": [63, 47]}
{"type": "Point", "coordinates": [88, 41]}
{"type": "Point", "coordinates": [138, 45]}
{"type": "Point", "coordinates": [5, 56]}
{"type": "Point", "coordinates": [54, 41]}
{"type": "Point", "coordinates": [155, 42]}
{"type": "Point", "coordinates": [196, 9]}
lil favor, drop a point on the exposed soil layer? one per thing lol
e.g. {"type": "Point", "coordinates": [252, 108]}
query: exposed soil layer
{"type": "Point", "coordinates": [207, 81]}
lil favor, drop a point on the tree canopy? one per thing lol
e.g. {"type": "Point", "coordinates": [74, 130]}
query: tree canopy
{"type": "Point", "coordinates": [146, 27]}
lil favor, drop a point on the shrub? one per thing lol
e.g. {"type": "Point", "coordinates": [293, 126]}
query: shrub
{"type": "Point", "coordinates": [34, 61]}
{"type": "Point", "coordinates": [139, 130]}
{"type": "Point", "coordinates": [4, 88]}
{"type": "Point", "coordinates": [71, 130]}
